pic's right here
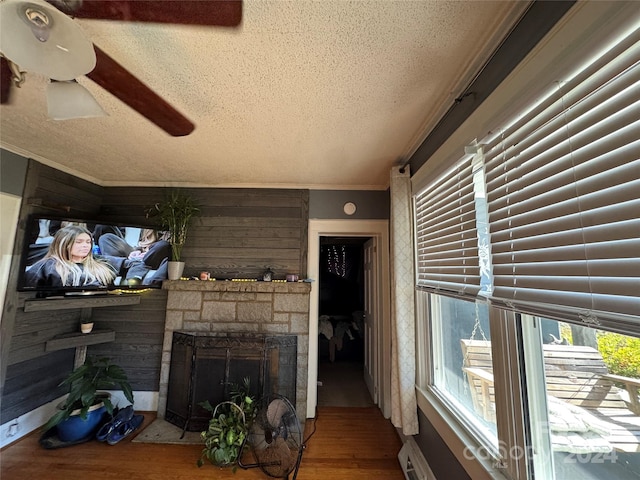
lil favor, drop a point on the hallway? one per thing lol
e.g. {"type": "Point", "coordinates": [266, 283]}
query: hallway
{"type": "Point", "coordinates": [341, 384]}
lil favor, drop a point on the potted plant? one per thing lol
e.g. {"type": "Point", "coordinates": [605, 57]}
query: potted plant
{"type": "Point", "coordinates": [175, 214]}
{"type": "Point", "coordinates": [86, 325]}
{"type": "Point", "coordinates": [82, 412]}
{"type": "Point", "coordinates": [228, 428]}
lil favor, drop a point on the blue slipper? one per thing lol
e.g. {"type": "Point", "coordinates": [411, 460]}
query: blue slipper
{"type": "Point", "coordinates": [124, 429]}
{"type": "Point", "coordinates": [123, 416]}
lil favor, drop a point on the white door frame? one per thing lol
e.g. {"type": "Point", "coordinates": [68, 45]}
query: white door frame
{"type": "Point", "coordinates": [372, 312]}
{"type": "Point", "coordinates": [350, 228]}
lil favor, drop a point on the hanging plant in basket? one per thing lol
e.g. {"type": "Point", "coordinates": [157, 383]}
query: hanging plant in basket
{"type": "Point", "coordinates": [225, 435]}
{"type": "Point", "coordinates": [228, 428]}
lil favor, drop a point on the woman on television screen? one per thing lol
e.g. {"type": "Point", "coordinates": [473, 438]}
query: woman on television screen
{"type": "Point", "coordinates": [69, 262]}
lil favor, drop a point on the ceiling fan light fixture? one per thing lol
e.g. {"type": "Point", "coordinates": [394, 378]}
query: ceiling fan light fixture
{"type": "Point", "coordinates": [38, 22]}
{"type": "Point", "coordinates": [68, 99]}
{"type": "Point", "coordinates": [42, 39]}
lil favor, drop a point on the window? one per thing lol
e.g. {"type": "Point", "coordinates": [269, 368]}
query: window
{"type": "Point", "coordinates": [583, 392]}
{"type": "Point", "coordinates": [527, 274]}
{"type": "Point", "coordinates": [462, 361]}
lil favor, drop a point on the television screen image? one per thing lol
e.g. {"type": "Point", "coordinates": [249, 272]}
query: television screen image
{"type": "Point", "coordinates": [63, 255]}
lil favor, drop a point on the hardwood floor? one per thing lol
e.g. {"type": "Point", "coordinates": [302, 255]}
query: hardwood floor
{"type": "Point", "coordinates": [348, 444]}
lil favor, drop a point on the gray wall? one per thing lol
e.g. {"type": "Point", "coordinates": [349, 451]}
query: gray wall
{"type": "Point", "coordinates": [441, 460]}
{"type": "Point", "coordinates": [13, 171]}
{"type": "Point", "coordinates": [328, 204]}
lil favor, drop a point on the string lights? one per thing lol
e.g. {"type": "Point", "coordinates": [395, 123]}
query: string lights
{"type": "Point", "coordinates": [337, 260]}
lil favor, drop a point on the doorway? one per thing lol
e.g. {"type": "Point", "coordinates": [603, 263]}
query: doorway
{"type": "Point", "coordinates": [341, 323]}
{"type": "Point", "coordinates": [377, 345]}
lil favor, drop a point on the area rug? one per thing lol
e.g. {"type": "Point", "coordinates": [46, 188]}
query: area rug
{"type": "Point", "coordinates": [161, 431]}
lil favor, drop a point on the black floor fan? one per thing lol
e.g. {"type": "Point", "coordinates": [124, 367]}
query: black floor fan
{"type": "Point", "coordinates": [275, 438]}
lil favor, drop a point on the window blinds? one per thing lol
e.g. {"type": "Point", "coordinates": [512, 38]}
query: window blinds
{"type": "Point", "coordinates": [447, 244]}
{"type": "Point", "coordinates": [563, 187]}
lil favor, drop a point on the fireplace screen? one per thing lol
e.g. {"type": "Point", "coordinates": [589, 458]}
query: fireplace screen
{"type": "Point", "coordinates": [206, 366]}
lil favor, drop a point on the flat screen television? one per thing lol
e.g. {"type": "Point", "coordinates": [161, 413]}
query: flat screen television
{"type": "Point", "coordinates": [66, 256]}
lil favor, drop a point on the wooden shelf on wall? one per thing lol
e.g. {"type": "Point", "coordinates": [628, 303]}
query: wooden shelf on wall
{"type": "Point", "coordinates": [77, 339]}
{"type": "Point", "coordinates": [40, 304]}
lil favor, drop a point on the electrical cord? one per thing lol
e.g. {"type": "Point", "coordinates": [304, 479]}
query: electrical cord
{"type": "Point", "coordinates": [315, 419]}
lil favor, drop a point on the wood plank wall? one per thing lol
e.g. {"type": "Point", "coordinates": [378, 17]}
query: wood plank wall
{"type": "Point", "coordinates": [139, 336]}
{"type": "Point", "coordinates": [29, 375]}
{"type": "Point", "coordinates": [240, 233]}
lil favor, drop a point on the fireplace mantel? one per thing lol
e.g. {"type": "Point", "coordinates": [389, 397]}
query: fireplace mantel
{"type": "Point", "coordinates": [236, 286]}
{"type": "Point", "coordinates": [251, 307]}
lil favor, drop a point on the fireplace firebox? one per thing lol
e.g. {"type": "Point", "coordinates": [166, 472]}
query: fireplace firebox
{"type": "Point", "coordinates": [206, 366]}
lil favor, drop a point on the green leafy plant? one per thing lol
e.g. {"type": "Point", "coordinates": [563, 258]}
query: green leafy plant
{"type": "Point", "coordinates": [228, 427]}
{"type": "Point", "coordinates": [621, 353]}
{"type": "Point", "coordinates": [87, 383]}
{"type": "Point", "coordinates": [175, 214]}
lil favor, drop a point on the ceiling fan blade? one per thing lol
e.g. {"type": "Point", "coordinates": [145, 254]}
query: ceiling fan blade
{"type": "Point", "coordinates": [114, 78]}
{"type": "Point", "coordinates": [225, 13]}
{"type": "Point", "coordinates": [5, 81]}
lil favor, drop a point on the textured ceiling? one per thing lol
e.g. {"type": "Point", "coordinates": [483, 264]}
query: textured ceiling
{"type": "Point", "coordinates": [304, 94]}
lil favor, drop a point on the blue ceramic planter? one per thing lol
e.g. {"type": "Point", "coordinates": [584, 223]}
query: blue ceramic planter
{"type": "Point", "coordinates": [75, 428]}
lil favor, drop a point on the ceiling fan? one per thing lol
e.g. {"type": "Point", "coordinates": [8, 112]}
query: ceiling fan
{"type": "Point", "coordinates": [107, 72]}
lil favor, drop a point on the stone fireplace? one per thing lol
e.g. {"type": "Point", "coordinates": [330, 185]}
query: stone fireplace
{"type": "Point", "coordinates": [213, 311]}
{"type": "Point", "coordinates": [208, 366]}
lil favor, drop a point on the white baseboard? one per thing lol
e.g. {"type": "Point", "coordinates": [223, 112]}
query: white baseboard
{"type": "Point", "coordinates": [17, 428]}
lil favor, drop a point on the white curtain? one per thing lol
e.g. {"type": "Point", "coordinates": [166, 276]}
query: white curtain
{"type": "Point", "coordinates": [404, 411]}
